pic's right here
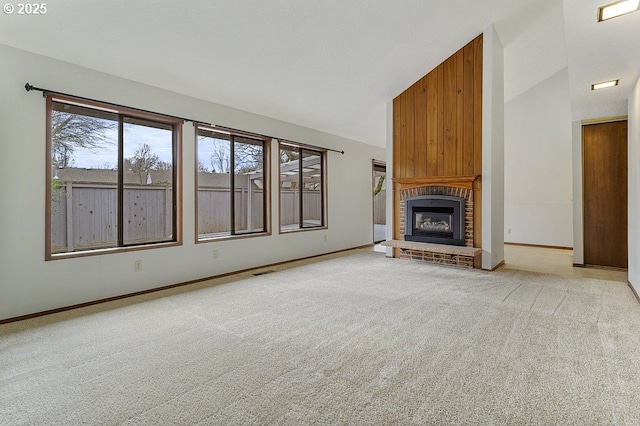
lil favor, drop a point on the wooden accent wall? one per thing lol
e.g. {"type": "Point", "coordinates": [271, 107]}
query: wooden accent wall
{"type": "Point", "coordinates": [437, 124]}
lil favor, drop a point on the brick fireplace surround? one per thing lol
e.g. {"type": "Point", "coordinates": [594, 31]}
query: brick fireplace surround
{"type": "Point", "coordinates": [456, 186]}
{"type": "Point", "coordinates": [465, 193]}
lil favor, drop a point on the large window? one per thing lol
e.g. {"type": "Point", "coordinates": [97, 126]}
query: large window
{"type": "Point", "coordinates": [302, 193]}
{"type": "Point", "coordinates": [112, 177]}
{"type": "Point", "coordinates": [232, 194]}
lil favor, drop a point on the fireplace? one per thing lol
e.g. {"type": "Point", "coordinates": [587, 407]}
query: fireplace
{"type": "Point", "coordinates": [438, 219]}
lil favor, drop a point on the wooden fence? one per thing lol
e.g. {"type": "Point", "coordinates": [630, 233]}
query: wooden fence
{"type": "Point", "coordinates": [380, 208]}
{"type": "Point", "coordinates": [290, 207]}
{"type": "Point", "coordinates": [214, 210]}
{"type": "Point", "coordinates": [214, 207]}
{"type": "Point", "coordinates": [84, 216]}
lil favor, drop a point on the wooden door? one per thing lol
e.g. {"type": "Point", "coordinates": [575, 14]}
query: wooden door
{"type": "Point", "coordinates": [605, 194]}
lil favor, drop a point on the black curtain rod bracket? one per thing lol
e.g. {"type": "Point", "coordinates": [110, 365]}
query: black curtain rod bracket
{"type": "Point", "coordinates": [28, 87]}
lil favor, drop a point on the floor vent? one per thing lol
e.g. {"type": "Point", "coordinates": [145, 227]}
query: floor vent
{"type": "Point", "coordinates": [263, 272]}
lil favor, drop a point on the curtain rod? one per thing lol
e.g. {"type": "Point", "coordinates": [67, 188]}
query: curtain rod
{"type": "Point", "coordinates": [280, 139]}
{"type": "Point", "coordinates": [28, 87]}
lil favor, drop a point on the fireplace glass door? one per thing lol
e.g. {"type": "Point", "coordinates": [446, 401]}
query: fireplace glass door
{"type": "Point", "coordinates": [433, 223]}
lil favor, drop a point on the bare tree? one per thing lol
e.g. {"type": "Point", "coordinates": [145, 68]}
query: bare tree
{"type": "Point", "coordinates": [248, 157]}
{"type": "Point", "coordinates": [61, 156]}
{"type": "Point", "coordinates": [164, 165]}
{"type": "Point", "coordinates": [202, 167]}
{"type": "Point", "coordinates": [72, 131]}
{"type": "Point", "coordinates": [143, 160]}
{"type": "Point", "coordinates": [221, 159]}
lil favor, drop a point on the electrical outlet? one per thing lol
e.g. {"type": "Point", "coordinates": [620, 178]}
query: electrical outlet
{"type": "Point", "coordinates": [215, 254]}
{"type": "Point", "coordinates": [137, 265]}
{"type": "Point", "coordinates": [509, 231]}
{"type": "Point", "coordinates": [325, 238]}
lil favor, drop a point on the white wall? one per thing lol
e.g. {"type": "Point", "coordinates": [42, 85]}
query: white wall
{"type": "Point", "coordinates": [538, 158]}
{"type": "Point", "coordinates": [28, 284]}
{"type": "Point", "coordinates": [492, 150]}
{"type": "Point", "coordinates": [538, 152]}
{"type": "Point", "coordinates": [541, 35]}
{"type": "Point", "coordinates": [634, 187]}
{"type": "Point", "coordinates": [578, 230]}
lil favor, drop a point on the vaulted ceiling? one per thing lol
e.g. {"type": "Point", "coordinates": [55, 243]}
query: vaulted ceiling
{"type": "Point", "coordinates": [330, 65]}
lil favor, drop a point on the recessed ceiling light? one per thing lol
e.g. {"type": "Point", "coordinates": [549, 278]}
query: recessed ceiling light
{"type": "Point", "coordinates": [616, 9]}
{"type": "Point", "coordinates": [604, 84]}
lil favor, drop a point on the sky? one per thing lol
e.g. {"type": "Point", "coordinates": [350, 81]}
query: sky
{"type": "Point", "coordinates": [135, 136]}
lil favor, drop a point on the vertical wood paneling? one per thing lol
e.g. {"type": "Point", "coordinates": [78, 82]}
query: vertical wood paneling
{"type": "Point", "coordinates": [432, 124]}
{"type": "Point", "coordinates": [398, 138]}
{"type": "Point", "coordinates": [438, 125]}
{"type": "Point", "coordinates": [450, 118]}
{"type": "Point", "coordinates": [420, 123]}
{"type": "Point", "coordinates": [468, 110]}
{"type": "Point", "coordinates": [440, 119]}
{"type": "Point", "coordinates": [477, 106]}
{"type": "Point", "coordinates": [408, 107]}
{"type": "Point", "coordinates": [460, 119]}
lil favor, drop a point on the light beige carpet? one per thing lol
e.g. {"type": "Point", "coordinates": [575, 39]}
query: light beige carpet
{"type": "Point", "coordinates": [355, 339]}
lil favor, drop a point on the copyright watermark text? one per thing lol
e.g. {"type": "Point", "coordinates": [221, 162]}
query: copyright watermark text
{"type": "Point", "coordinates": [25, 8]}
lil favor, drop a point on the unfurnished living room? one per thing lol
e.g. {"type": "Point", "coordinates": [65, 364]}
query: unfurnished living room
{"type": "Point", "coordinates": [340, 212]}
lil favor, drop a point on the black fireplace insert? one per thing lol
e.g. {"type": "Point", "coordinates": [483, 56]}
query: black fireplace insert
{"type": "Point", "coordinates": [435, 219]}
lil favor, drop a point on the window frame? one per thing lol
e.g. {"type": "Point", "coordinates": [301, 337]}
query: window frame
{"type": "Point", "coordinates": [266, 187]}
{"type": "Point", "coordinates": [122, 113]}
{"type": "Point", "coordinates": [323, 180]}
